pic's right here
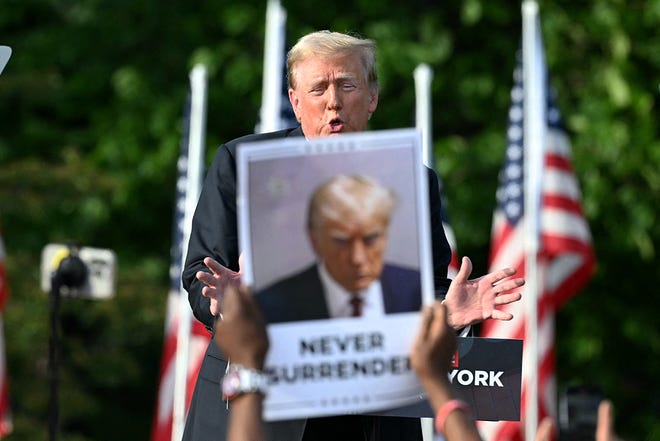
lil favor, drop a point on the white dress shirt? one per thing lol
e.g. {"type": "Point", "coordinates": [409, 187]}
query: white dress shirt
{"type": "Point", "coordinates": [339, 300]}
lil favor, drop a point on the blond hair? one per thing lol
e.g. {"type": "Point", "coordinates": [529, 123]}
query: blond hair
{"type": "Point", "coordinates": [333, 44]}
{"type": "Point", "coordinates": [346, 197]}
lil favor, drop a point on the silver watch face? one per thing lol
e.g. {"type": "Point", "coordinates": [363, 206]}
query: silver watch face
{"type": "Point", "coordinates": [231, 384]}
{"type": "Point", "coordinates": [239, 380]}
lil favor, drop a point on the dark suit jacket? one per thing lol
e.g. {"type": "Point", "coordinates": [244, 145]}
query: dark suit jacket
{"type": "Point", "coordinates": [214, 233]}
{"type": "Point", "coordinates": [301, 296]}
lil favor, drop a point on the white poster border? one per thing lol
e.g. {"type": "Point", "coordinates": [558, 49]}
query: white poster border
{"type": "Point", "coordinates": [340, 365]}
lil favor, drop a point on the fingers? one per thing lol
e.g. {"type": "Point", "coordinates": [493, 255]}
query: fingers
{"type": "Point", "coordinates": [439, 318]}
{"type": "Point", "coordinates": [504, 286]}
{"type": "Point", "coordinates": [505, 299]}
{"type": "Point", "coordinates": [465, 270]}
{"type": "Point", "coordinates": [228, 307]}
{"type": "Point", "coordinates": [249, 304]}
{"type": "Point", "coordinates": [231, 301]}
{"type": "Point", "coordinates": [509, 284]}
{"type": "Point", "coordinates": [215, 267]}
{"type": "Point", "coordinates": [206, 278]}
{"type": "Point", "coordinates": [427, 316]}
{"type": "Point", "coordinates": [240, 263]}
{"type": "Point", "coordinates": [496, 314]}
{"type": "Point", "coordinates": [605, 422]}
{"type": "Point", "coordinates": [544, 431]}
{"type": "Point", "coordinates": [219, 276]}
{"type": "Point", "coordinates": [434, 319]}
{"type": "Point", "coordinates": [237, 301]}
{"type": "Point", "coordinates": [496, 277]}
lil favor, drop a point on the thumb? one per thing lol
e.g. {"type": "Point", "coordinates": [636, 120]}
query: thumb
{"type": "Point", "coordinates": [605, 421]}
{"type": "Point", "coordinates": [465, 270]}
{"type": "Point", "coordinates": [240, 263]}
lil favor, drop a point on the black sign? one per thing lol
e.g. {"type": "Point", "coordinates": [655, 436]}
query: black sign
{"type": "Point", "coordinates": [487, 377]}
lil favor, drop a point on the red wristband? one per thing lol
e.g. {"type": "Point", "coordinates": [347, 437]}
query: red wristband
{"type": "Point", "coordinates": [444, 412]}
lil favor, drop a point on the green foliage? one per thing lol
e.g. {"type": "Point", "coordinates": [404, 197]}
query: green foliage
{"type": "Point", "coordinates": [91, 107]}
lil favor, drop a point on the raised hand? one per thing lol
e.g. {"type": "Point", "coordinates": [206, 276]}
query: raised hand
{"type": "Point", "coordinates": [217, 281]}
{"type": "Point", "coordinates": [472, 301]}
{"type": "Point", "coordinates": [434, 346]}
{"type": "Point", "coordinates": [241, 334]}
{"type": "Point", "coordinates": [431, 359]}
{"type": "Point", "coordinates": [605, 422]}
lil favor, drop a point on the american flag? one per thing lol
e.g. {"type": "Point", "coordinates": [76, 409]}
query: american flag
{"type": "Point", "coordinates": [565, 256]}
{"type": "Point", "coordinates": [199, 336]}
{"type": "Point", "coordinates": [5, 413]}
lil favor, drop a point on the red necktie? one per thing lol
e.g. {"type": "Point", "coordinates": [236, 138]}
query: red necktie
{"type": "Point", "coordinates": [356, 305]}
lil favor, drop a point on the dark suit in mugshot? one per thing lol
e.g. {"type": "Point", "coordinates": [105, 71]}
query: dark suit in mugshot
{"type": "Point", "coordinates": [301, 296]}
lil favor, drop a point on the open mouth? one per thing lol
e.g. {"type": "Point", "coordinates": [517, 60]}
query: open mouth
{"type": "Point", "coordinates": [336, 124]}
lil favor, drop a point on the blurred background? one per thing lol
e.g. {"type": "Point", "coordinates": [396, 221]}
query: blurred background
{"type": "Point", "coordinates": [91, 109]}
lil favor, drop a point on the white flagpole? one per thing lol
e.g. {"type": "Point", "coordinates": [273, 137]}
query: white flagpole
{"type": "Point", "coordinates": [196, 148]}
{"type": "Point", "coordinates": [5, 54]}
{"type": "Point", "coordinates": [534, 133]}
{"type": "Point", "coordinates": [271, 99]}
{"type": "Point", "coordinates": [423, 76]}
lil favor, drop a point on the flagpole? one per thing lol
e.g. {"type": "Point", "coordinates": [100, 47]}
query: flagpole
{"type": "Point", "coordinates": [271, 101]}
{"type": "Point", "coordinates": [533, 133]}
{"type": "Point", "coordinates": [423, 76]}
{"type": "Point", "coordinates": [5, 54]}
{"type": "Point", "coordinates": [196, 147]}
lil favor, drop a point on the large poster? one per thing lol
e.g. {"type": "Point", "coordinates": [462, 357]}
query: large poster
{"type": "Point", "coordinates": [317, 219]}
{"type": "Point", "coordinates": [326, 220]}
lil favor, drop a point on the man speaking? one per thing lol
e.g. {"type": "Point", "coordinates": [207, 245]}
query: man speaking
{"type": "Point", "coordinates": [333, 88]}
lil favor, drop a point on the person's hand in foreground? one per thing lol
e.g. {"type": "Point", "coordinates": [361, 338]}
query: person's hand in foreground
{"type": "Point", "coordinates": [545, 430]}
{"type": "Point", "coordinates": [604, 425]}
{"type": "Point", "coordinates": [605, 422]}
{"type": "Point", "coordinates": [241, 334]}
{"type": "Point", "coordinates": [431, 357]}
{"type": "Point", "coordinates": [433, 348]}
{"type": "Point", "coordinates": [472, 301]}
{"type": "Point", "coordinates": [217, 281]}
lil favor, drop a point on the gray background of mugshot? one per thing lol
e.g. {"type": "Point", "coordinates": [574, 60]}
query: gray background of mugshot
{"type": "Point", "coordinates": [279, 192]}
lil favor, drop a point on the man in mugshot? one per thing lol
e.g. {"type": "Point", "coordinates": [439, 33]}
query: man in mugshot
{"type": "Point", "coordinates": [347, 225]}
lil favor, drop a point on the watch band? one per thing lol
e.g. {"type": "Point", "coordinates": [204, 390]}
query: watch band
{"type": "Point", "coordinates": [240, 380]}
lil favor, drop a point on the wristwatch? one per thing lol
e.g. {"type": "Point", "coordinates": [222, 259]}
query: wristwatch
{"type": "Point", "coordinates": [240, 380]}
